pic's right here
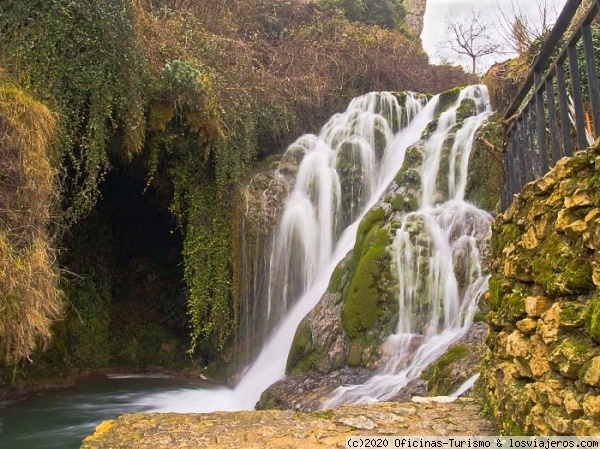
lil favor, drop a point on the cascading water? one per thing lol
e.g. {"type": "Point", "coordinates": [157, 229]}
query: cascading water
{"type": "Point", "coordinates": [437, 259]}
{"type": "Point", "coordinates": [344, 171]}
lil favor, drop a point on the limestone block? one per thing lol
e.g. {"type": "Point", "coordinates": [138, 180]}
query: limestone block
{"type": "Point", "coordinates": [527, 325]}
{"type": "Point", "coordinates": [591, 237]}
{"type": "Point", "coordinates": [591, 374]}
{"type": "Point", "coordinates": [547, 392]}
{"type": "Point", "coordinates": [572, 405]}
{"type": "Point", "coordinates": [548, 326]}
{"type": "Point", "coordinates": [571, 316]}
{"type": "Point", "coordinates": [540, 425]}
{"type": "Point", "coordinates": [585, 427]}
{"type": "Point", "coordinates": [545, 225]}
{"type": "Point", "coordinates": [517, 345]}
{"type": "Point", "coordinates": [554, 199]}
{"type": "Point", "coordinates": [547, 183]}
{"type": "Point", "coordinates": [539, 357]}
{"type": "Point", "coordinates": [569, 356]}
{"type": "Point", "coordinates": [580, 198]}
{"type": "Point", "coordinates": [529, 240]}
{"type": "Point", "coordinates": [535, 306]}
{"type": "Point", "coordinates": [558, 420]}
{"type": "Point", "coordinates": [568, 221]}
{"type": "Point", "coordinates": [501, 346]}
{"type": "Point", "coordinates": [591, 406]}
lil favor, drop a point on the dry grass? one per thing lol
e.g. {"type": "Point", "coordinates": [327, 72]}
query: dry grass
{"type": "Point", "coordinates": [29, 298]}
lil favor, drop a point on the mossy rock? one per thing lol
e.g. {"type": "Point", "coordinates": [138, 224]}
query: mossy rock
{"type": "Point", "coordinates": [592, 318]}
{"type": "Point", "coordinates": [361, 308]}
{"type": "Point", "coordinates": [448, 98]}
{"type": "Point", "coordinates": [562, 267]}
{"type": "Point", "coordinates": [570, 355]}
{"type": "Point", "coordinates": [485, 169]}
{"type": "Point", "coordinates": [439, 375]}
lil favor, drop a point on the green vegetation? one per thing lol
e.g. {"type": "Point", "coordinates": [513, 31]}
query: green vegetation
{"type": "Point", "coordinates": [146, 90]}
{"type": "Point", "coordinates": [592, 318]}
{"type": "Point", "coordinates": [361, 307]}
{"type": "Point", "coordinates": [438, 375]}
{"type": "Point", "coordinates": [562, 267]}
{"type": "Point", "coordinates": [386, 14]}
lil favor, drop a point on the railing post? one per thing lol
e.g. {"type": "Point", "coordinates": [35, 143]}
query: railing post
{"type": "Point", "coordinates": [590, 64]}
{"type": "Point", "coordinates": [564, 109]}
{"type": "Point", "coordinates": [540, 120]}
{"type": "Point", "coordinates": [552, 121]}
{"type": "Point", "coordinates": [577, 97]}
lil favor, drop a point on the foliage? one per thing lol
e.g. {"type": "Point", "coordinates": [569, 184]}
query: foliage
{"type": "Point", "coordinates": [386, 14]}
{"type": "Point", "coordinates": [83, 60]}
{"type": "Point", "coordinates": [220, 84]}
{"type": "Point", "coordinates": [29, 299]}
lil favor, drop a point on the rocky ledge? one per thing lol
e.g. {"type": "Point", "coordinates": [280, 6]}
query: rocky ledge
{"type": "Point", "coordinates": [289, 429]}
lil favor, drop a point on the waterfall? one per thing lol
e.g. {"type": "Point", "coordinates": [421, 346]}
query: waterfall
{"type": "Point", "coordinates": [437, 260]}
{"type": "Point", "coordinates": [344, 170]}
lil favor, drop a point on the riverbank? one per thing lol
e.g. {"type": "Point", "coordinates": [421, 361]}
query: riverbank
{"type": "Point", "coordinates": [289, 429]}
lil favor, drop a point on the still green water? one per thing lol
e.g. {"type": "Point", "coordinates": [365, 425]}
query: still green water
{"type": "Point", "coordinates": [61, 419]}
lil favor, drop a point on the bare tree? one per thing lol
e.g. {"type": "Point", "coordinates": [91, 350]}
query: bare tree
{"type": "Point", "coordinates": [471, 37]}
{"type": "Point", "coordinates": [519, 27]}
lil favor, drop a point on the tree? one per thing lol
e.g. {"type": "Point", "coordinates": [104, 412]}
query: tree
{"type": "Point", "coordinates": [387, 14]}
{"type": "Point", "coordinates": [471, 37]}
{"type": "Point", "coordinates": [521, 28]}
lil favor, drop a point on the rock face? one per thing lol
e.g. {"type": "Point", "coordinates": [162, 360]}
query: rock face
{"type": "Point", "coordinates": [542, 369]}
{"type": "Point", "coordinates": [285, 429]}
{"type": "Point", "coordinates": [415, 12]}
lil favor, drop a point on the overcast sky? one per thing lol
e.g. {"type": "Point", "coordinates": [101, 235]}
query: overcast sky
{"type": "Point", "coordinates": [438, 11]}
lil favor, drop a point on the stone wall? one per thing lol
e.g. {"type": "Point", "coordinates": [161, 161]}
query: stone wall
{"type": "Point", "coordinates": [542, 369]}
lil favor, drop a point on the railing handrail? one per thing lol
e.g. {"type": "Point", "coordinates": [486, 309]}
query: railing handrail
{"type": "Point", "coordinates": [553, 112]}
{"type": "Point", "coordinates": [558, 30]}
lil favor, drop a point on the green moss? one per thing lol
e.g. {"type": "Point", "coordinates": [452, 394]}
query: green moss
{"type": "Point", "coordinates": [372, 220]}
{"type": "Point", "coordinates": [592, 318]}
{"type": "Point", "coordinates": [301, 349]}
{"type": "Point", "coordinates": [355, 352]}
{"type": "Point", "coordinates": [438, 374]}
{"type": "Point", "coordinates": [562, 267]}
{"type": "Point", "coordinates": [361, 309]}
{"type": "Point", "coordinates": [513, 304]}
{"type": "Point", "coordinates": [413, 159]}
{"type": "Point", "coordinates": [483, 189]}
{"type": "Point", "coordinates": [466, 109]}
{"type": "Point", "coordinates": [570, 355]}
{"type": "Point", "coordinates": [505, 235]}
{"type": "Point", "coordinates": [339, 278]}
{"type": "Point", "coordinates": [495, 293]}
{"type": "Point", "coordinates": [448, 98]}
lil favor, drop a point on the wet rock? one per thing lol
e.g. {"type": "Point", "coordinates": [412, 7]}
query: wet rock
{"type": "Point", "coordinates": [308, 391]}
{"type": "Point", "coordinates": [287, 429]}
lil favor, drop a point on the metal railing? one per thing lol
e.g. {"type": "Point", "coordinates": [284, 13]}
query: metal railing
{"type": "Point", "coordinates": [557, 110]}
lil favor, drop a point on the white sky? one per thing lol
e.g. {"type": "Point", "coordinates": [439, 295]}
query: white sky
{"type": "Point", "coordinates": [438, 11]}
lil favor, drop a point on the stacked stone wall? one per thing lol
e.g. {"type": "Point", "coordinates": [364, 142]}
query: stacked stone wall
{"type": "Point", "coordinates": [541, 375]}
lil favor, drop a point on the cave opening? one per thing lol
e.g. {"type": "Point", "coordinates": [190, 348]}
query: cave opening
{"type": "Point", "coordinates": [127, 257]}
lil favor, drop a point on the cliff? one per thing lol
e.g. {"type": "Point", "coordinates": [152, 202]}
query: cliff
{"type": "Point", "coordinates": [415, 13]}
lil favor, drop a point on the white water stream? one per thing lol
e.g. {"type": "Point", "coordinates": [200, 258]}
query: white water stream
{"type": "Point", "coordinates": [313, 238]}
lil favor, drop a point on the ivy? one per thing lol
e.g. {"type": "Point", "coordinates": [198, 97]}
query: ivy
{"type": "Point", "coordinates": [82, 58]}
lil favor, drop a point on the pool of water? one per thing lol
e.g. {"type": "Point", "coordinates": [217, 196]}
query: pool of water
{"type": "Point", "coordinates": [61, 419]}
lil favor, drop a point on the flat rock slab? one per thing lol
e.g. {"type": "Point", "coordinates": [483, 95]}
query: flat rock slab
{"type": "Point", "coordinates": [288, 429]}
